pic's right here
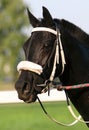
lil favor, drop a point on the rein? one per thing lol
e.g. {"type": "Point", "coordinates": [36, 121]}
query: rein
{"type": "Point", "coordinates": [58, 122]}
{"type": "Point", "coordinates": [59, 88]}
{"type": "Point", "coordinates": [79, 86]}
{"type": "Point", "coordinates": [77, 119]}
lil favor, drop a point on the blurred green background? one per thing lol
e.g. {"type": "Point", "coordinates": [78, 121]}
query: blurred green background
{"type": "Point", "coordinates": [13, 22]}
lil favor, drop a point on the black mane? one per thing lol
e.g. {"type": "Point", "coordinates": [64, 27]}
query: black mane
{"type": "Point", "coordinates": [74, 30]}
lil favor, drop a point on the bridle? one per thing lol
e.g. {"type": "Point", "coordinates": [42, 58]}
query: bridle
{"type": "Point", "coordinates": [38, 69]}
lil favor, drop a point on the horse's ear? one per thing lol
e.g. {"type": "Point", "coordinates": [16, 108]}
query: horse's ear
{"type": "Point", "coordinates": [47, 16]}
{"type": "Point", "coordinates": [33, 20]}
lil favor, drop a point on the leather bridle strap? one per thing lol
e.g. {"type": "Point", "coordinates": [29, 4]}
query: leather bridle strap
{"type": "Point", "coordinates": [58, 44]}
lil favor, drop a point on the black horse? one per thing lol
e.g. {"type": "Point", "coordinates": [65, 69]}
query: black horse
{"type": "Point", "coordinates": [72, 64]}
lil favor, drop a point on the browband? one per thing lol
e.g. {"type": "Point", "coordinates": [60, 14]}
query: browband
{"type": "Point", "coordinates": [44, 29]}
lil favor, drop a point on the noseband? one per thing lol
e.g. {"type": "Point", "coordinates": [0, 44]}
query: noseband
{"type": "Point", "coordinates": [36, 68]}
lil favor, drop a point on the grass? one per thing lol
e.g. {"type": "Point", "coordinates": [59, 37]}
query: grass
{"type": "Point", "coordinates": [31, 117]}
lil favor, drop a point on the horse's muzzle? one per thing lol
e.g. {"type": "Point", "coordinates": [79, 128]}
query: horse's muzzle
{"type": "Point", "coordinates": [26, 92]}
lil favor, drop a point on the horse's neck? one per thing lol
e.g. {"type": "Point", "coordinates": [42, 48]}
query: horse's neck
{"type": "Point", "coordinates": [76, 72]}
{"type": "Point", "coordinates": [76, 32]}
{"type": "Point", "coordinates": [76, 56]}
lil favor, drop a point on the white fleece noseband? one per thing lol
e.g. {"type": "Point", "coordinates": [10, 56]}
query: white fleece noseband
{"type": "Point", "coordinates": [27, 65]}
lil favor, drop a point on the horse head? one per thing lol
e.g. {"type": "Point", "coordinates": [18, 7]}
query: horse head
{"type": "Point", "coordinates": [40, 55]}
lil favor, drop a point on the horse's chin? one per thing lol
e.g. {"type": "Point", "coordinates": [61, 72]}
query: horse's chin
{"type": "Point", "coordinates": [31, 98]}
{"type": "Point", "coordinates": [27, 98]}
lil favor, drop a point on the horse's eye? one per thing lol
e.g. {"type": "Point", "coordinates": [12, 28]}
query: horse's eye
{"type": "Point", "coordinates": [46, 45]}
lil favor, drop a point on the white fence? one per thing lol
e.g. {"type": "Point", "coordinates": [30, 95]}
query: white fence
{"type": "Point", "coordinates": [12, 96]}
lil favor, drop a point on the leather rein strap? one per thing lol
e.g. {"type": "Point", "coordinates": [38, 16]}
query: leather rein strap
{"type": "Point", "coordinates": [58, 122]}
{"type": "Point", "coordinates": [77, 119]}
